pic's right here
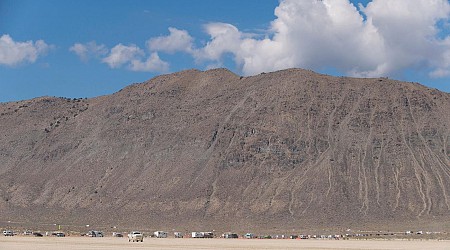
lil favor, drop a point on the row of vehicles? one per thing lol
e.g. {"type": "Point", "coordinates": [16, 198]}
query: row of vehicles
{"type": "Point", "coordinates": [36, 234]}
{"type": "Point", "coordinates": [92, 233]}
{"type": "Point", "coordinates": [134, 236]}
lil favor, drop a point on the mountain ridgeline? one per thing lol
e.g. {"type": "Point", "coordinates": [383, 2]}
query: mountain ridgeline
{"type": "Point", "coordinates": [211, 149]}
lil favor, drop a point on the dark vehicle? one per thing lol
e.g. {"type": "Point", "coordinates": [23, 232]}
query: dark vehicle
{"type": "Point", "coordinates": [37, 234]}
{"type": "Point", "coordinates": [208, 235]}
{"type": "Point", "coordinates": [60, 234]}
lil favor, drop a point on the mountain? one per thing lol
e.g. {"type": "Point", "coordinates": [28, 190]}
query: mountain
{"type": "Point", "coordinates": [198, 150]}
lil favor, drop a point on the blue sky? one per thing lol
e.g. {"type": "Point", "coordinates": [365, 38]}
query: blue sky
{"type": "Point", "coordinates": [91, 48]}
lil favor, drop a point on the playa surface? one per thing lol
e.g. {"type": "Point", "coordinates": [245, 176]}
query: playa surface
{"type": "Point", "coordinates": [78, 243]}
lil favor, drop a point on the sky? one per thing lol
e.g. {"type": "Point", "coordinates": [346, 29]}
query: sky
{"type": "Point", "coordinates": [87, 48]}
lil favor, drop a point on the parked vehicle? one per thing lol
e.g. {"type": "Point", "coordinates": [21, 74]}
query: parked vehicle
{"type": "Point", "coordinates": [37, 234]}
{"type": "Point", "coordinates": [135, 236]}
{"type": "Point", "coordinates": [60, 234]}
{"type": "Point", "coordinates": [94, 233]}
{"type": "Point", "coordinates": [160, 234]}
{"type": "Point", "coordinates": [250, 236]}
{"type": "Point", "coordinates": [178, 235]}
{"type": "Point", "coordinates": [208, 234]}
{"type": "Point", "coordinates": [202, 235]}
{"type": "Point", "coordinates": [197, 235]}
{"type": "Point", "coordinates": [230, 236]}
{"type": "Point", "coordinates": [115, 234]}
{"type": "Point", "coordinates": [8, 233]}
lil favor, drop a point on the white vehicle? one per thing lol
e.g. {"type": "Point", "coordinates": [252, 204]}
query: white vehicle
{"type": "Point", "coordinates": [116, 234]}
{"type": "Point", "coordinates": [202, 235]}
{"type": "Point", "coordinates": [249, 236]}
{"type": "Point", "coordinates": [8, 233]}
{"type": "Point", "coordinates": [135, 236]}
{"type": "Point", "coordinates": [198, 235]}
{"type": "Point", "coordinates": [160, 234]}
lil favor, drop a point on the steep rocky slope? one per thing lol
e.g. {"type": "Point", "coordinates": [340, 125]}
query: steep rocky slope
{"type": "Point", "coordinates": [211, 149]}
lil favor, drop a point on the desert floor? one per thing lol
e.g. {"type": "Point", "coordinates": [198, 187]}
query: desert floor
{"type": "Point", "coordinates": [78, 243]}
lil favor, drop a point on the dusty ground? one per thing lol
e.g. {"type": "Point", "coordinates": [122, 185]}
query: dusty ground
{"type": "Point", "coordinates": [75, 243]}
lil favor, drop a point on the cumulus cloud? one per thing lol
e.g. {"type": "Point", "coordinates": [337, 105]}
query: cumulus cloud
{"type": "Point", "coordinates": [152, 64]}
{"type": "Point", "coordinates": [129, 56]}
{"type": "Point", "coordinates": [225, 38]}
{"type": "Point", "coordinates": [382, 38]}
{"type": "Point", "coordinates": [409, 31]}
{"type": "Point", "coordinates": [122, 54]}
{"type": "Point", "coordinates": [134, 58]}
{"type": "Point", "coordinates": [88, 50]}
{"type": "Point", "coordinates": [13, 53]}
{"type": "Point", "coordinates": [391, 36]}
{"type": "Point", "coordinates": [442, 63]}
{"type": "Point", "coordinates": [315, 34]}
{"type": "Point", "coordinates": [177, 40]}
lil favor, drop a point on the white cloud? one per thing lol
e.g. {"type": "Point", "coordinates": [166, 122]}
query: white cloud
{"type": "Point", "coordinates": [442, 63]}
{"type": "Point", "coordinates": [409, 31]}
{"type": "Point", "coordinates": [13, 53]}
{"type": "Point", "coordinates": [177, 40]}
{"type": "Point", "coordinates": [225, 38]}
{"type": "Point", "coordinates": [392, 36]}
{"type": "Point", "coordinates": [81, 50]}
{"type": "Point", "coordinates": [122, 54]}
{"type": "Point", "coordinates": [87, 50]}
{"type": "Point", "coordinates": [383, 38]}
{"type": "Point", "coordinates": [132, 56]}
{"type": "Point", "coordinates": [152, 64]}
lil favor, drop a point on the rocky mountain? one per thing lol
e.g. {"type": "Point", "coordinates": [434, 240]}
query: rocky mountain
{"type": "Point", "coordinates": [200, 150]}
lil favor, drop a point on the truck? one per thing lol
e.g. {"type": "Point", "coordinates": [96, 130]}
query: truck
{"type": "Point", "coordinates": [135, 236]}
